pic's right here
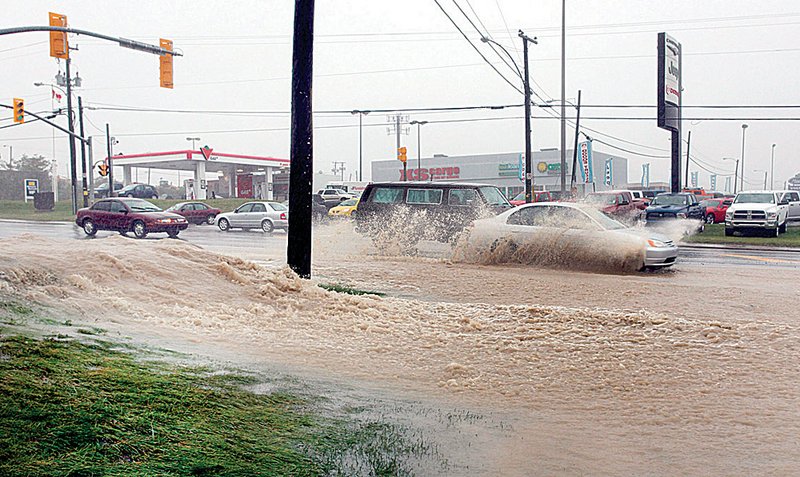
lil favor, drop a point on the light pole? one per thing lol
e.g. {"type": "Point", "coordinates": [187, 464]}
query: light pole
{"type": "Point", "coordinates": [193, 139]}
{"type": "Point", "coordinates": [10, 155]}
{"type": "Point", "coordinates": [741, 183]}
{"type": "Point", "coordinates": [419, 144]}
{"type": "Point", "coordinates": [736, 171]}
{"type": "Point", "coordinates": [361, 115]}
{"type": "Point", "coordinates": [765, 176]}
{"type": "Point", "coordinates": [772, 168]}
{"type": "Point", "coordinates": [563, 94]}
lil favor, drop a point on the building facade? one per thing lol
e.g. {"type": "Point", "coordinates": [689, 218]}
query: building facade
{"type": "Point", "coordinates": [503, 170]}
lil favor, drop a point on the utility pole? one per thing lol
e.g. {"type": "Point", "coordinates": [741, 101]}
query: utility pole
{"type": "Point", "coordinates": [73, 166]}
{"type": "Point", "coordinates": [91, 168]}
{"type": "Point", "coordinates": [301, 174]}
{"type": "Point", "coordinates": [575, 148]}
{"type": "Point", "coordinates": [772, 168]}
{"type": "Point", "coordinates": [563, 96]}
{"type": "Point", "coordinates": [688, 148]}
{"type": "Point", "coordinates": [397, 128]}
{"type": "Point", "coordinates": [361, 114]}
{"type": "Point", "coordinates": [109, 154]}
{"type": "Point", "coordinates": [526, 85]}
{"type": "Point", "coordinates": [741, 179]}
{"type": "Point", "coordinates": [83, 154]}
{"type": "Point", "coordinates": [419, 143]}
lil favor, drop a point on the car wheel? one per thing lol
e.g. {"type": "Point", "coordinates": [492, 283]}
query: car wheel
{"type": "Point", "coordinates": [210, 219]}
{"type": "Point", "coordinates": [728, 232]}
{"type": "Point", "coordinates": [224, 225]}
{"type": "Point", "coordinates": [154, 197]}
{"type": "Point", "coordinates": [139, 229]}
{"type": "Point", "coordinates": [89, 227]}
{"type": "Point", "coordinates": [710, 219]}
{"type": "Point", "coordinates": [267, 226]}
{"type": "Point", "coordinates": [783, 227]}
{"type": "Point", "coordinates": [173, 233]}
{"type": "Point", "coordinates": [129, 195]}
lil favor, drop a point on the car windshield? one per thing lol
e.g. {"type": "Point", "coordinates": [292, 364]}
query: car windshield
{"type": "Point", "coordinates": [669, 200]}
{"type": "Point", "coordinates": [174, 207]}
{"type": "Point", "coordinates": [710, 203]}
{"type": "Point", "coordinates": [348, 203]}
{"type": "Point", "coordinates": [493, 196]}
{"type": "Point", "coordinates": [601, 199]}
{"type": "Point", "coordinates": [142, 206]}
{"type": "Point", "coordinates": [605, 221]}
{"type": "Point", "coordinates": [755, 198]}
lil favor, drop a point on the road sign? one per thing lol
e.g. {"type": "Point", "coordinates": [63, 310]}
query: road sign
{"type": "Point", "coordinates": [165, 65]}
{"type": "Point", "coordinates": [206, 152]}
{"type": "Point", "coordinates": [59, 46]}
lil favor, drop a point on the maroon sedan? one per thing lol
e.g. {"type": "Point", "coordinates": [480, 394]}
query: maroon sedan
{"type": "Point", "coordinates": [129, 215]}
{"type": "Point", "coordinates": [195, 212]}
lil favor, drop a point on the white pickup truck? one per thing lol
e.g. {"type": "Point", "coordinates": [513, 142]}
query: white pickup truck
{"type": "Point", "coordinates": [757, 210]}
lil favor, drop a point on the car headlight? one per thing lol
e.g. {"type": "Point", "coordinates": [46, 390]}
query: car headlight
{"type": "Point", "coordinates": [656, 243]}
{"type": "Point", "coordinates": [681, 215]}
{"type": "Point", "coordinates": [728, 214]}
{"type": "Point", "coordinates": [772, 215]}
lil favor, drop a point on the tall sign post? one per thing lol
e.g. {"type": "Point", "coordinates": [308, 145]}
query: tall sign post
{"type": "Point", "coordinates": [670, 89]}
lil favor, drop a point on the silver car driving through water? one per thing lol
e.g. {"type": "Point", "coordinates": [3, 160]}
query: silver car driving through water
{"type": "Point", "coordinates": [263, 215]}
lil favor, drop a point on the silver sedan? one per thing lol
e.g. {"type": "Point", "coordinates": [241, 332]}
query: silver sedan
{"type": "Point", "coordinates": [557, 232]}
{"type": "Point", "coordinates": [263, 215]}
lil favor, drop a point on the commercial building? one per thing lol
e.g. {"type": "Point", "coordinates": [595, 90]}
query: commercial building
{"type": "Point", "coordinates": [503, 170]}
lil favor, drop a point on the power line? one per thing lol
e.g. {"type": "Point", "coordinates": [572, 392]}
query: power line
{"type": "Point", "coordinates": [475, 47]}
{"type": "Point", "coordinates": [502, 58]}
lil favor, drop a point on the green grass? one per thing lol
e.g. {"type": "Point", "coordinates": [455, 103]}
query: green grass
{"type": "Point", "coordinates": [715, 234]}
{"type": "Point", "coordinates": [348, 290]}
{"type": "Point", "coordinates": [17, 209]}
{"type": "Point", "coordinates": [75, 408]}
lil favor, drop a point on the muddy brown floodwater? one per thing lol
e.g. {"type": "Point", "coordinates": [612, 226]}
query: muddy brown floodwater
{"type": "Point", "coordinates": [596, 374]}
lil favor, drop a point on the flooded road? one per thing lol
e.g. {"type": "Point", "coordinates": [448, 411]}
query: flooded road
{"type": "Point", "coordinates": [688, 371]}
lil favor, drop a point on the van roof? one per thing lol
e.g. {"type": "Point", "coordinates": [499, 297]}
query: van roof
{"type": "Point", "coordinates": [431, 184]}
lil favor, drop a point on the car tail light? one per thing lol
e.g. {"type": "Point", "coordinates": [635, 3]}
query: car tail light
{"type": "Point", "coordinates": [283, 216]}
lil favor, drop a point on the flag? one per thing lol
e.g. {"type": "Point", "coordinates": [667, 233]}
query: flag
{"type": "Point", "coordinates": [713, 182]}
{"type": "Point", "coordinates": [609, 177]}
{"type": "Point", "coordinates": [646, 175]}
{"type": "Point", "coordinates": [56, 96]}
{"type": "Point", "coordinates": [727, 184]}
{"type": "Point", "coordinates": [587, 174]}
{"type": "Point", "coordinates": [694, 179]}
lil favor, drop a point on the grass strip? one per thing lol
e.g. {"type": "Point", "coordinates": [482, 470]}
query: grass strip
{"type": "Point", "coordinates": [715, 234]}
{"type": "Point", "coordinates": [333, 287]}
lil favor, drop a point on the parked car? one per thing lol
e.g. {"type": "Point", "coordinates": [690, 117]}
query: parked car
{"type": "Point", "coordinates": [715, 209]}
{"type": "Point", "coordinates": [334, 195]}
{"type": "Point", "coordinates": [140, 191]}
{"type": "Point", "coordinates": [616, 204]}
{"type": "Point", "coordinates": [541, 196]}
{"type": "Point", "coordinates": [101, 191]}
{"type": "Point", "coordinates": [425, 210]}
{"type": "Point", "coordinates": [637, 198]}
{"type": "Point", "coordinates": [196, 212]}
{"type": "Point", "coordinates": [265, 215]}
{"type": "Point", "coordinates": [672, 206]}
{"type": "Point", "coordinates": [344, 209]}
{"type": "Point", "coordinates": [129, 215]}
{"type": "Point", "coordinates": [793, 198]}
{"type": "Point", "coordinates": [582, 222]}
{"type": "Point", "coordinates": [757, 210]}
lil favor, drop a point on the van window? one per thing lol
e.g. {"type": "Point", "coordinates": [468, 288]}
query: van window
{"type": "Point", "coordinates": [462, 197]}
{"type": "Point", "coordinates": [387, 195]}
{"type": "Point", "coordinates": [424, 196]}
{"type": "Point", "coordinates": [493, 196]}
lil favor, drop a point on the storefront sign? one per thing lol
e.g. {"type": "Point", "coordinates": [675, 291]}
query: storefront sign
{"type": "Point", "coordinates": [585, 149]}
{"type": "Point", "coordinates": [433, 174]}
{"type": "Point", "coordinates": [31, 188]}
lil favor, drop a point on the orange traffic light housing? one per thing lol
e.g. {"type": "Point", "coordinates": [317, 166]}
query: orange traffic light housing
{"type": "Point", "coordinates": [165, 64]}
{"type": "Point", "coordinates": [59, 47]}
{"type": "Point", "coordinates": [19, 110]}
{"type": "Point", "coordinates": [401, 154]}
{"type": "Point", "coordinates": [103, 169]}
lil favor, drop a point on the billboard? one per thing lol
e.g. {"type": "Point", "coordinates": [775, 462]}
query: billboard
{"type": "Point", "coordinates": [669, 82]}
{"type": "Point", "coordinates": [585, 164]}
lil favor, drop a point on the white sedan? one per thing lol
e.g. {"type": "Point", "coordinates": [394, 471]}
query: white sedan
{"type": "Point", "coordinates": [566, 234]}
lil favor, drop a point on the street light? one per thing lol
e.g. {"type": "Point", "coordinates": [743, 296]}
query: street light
{"type": "Point", "coordinates": [736, 171]}
{"type": "Point", "coordinates": [361, 115]}
{"type": "Point", "coordinates": [193, 139]}
{"type": "Point", "coordinates": [741, 184]}
{"type": "Point", "coordinates": [10, 155]}
{"type": "Point", "coordinates": [419, 146]}
{"type": "Point", "coordinates": [765, 176]}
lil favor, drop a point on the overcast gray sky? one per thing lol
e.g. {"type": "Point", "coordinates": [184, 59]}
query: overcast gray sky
{"type": "Point", "coordinates": [238, 58]}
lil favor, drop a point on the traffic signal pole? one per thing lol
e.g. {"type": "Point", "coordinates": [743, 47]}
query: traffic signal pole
{"type": "Point", "coordinates": [73, 166]}
{"type": "Point", "coordinates": [110, 167]}
{"type": "Point", "coordinates": [298, 250]}
{"type": "Point", "coordinates": [83, 154]}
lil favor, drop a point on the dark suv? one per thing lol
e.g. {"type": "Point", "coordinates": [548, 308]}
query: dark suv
{"type": "Point", "coordinates": [671, 206]}
{"type": "Point", "coordinates": [413, 211]}
{"type": "Point", "coordinates": [140, 191]}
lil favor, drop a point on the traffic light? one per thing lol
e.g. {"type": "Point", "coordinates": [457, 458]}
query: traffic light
{"type": "Point", "coordinates": [59, 46]}
{"type": "Point", "coordinates": [165, 64]}
{"type": "Point", "coordinates": [103, 169]}
{"type": "Point", "coordinates": [19, 110]}
{"type": "Point", "coordinates": [401, 154]}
